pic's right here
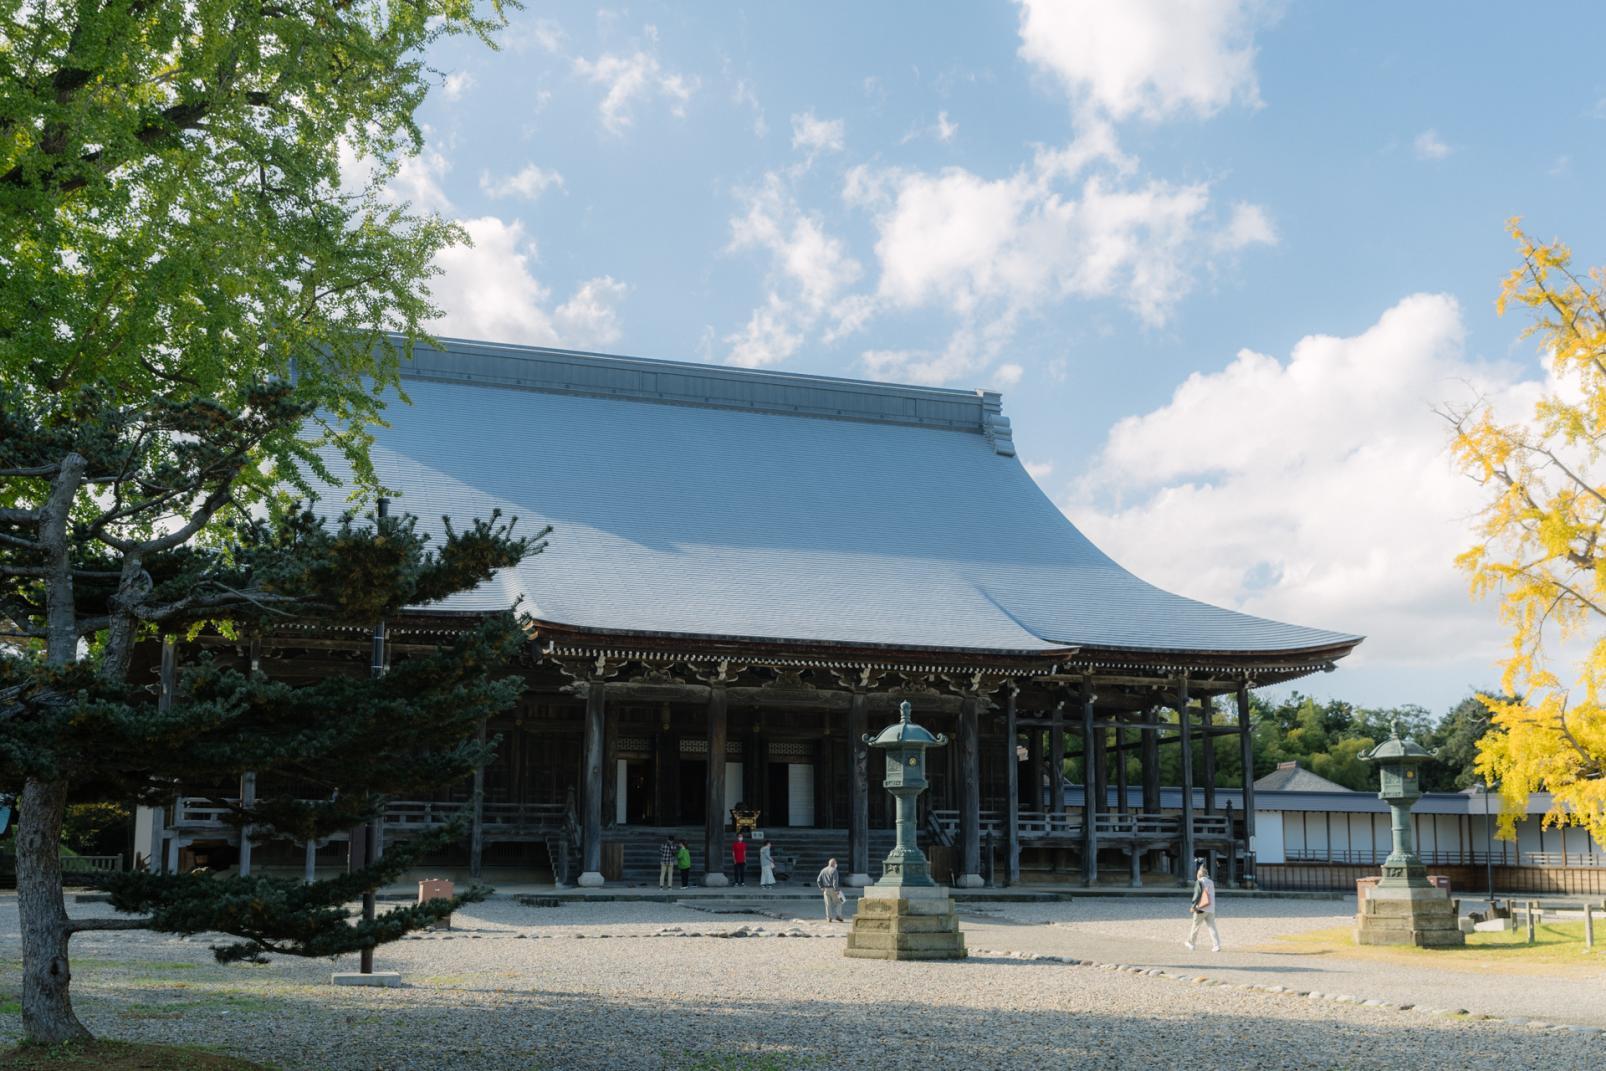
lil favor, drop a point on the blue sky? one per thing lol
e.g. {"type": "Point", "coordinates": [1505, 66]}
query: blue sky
{"type": "Point", "coordinates": [1223, 258]}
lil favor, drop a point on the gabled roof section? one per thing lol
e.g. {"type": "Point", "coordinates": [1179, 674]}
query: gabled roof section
{"type": "Point", "coordinates": [1292, 777]}
{"type": "Point", "coordinates": [699, 501]}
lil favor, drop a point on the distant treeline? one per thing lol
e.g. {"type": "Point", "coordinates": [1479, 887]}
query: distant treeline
{"type": "Point", "coordinates": [1327, 738]}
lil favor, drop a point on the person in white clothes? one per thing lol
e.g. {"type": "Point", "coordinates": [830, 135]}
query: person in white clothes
{"type": "Point", "coordinates": [1203, 908]}
{"type": "Point", "coordinates": [766, 866]}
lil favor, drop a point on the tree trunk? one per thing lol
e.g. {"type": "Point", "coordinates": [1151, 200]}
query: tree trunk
{"type": "Point", "coordinates": [47, 1015]}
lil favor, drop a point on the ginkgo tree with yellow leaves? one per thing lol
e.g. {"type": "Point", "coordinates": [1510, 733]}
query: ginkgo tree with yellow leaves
{"type": "Point", "coordinates": [1541, 546]}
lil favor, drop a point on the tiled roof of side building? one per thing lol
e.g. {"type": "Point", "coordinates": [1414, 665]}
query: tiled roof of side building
{"type": "Point", "coordinates": [705, 501]}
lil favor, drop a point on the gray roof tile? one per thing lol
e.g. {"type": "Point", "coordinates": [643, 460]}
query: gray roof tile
{"type": "Point", "coordinates": [711, 501]}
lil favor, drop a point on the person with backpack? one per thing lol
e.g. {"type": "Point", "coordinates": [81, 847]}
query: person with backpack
{"type": "Point", "coordinates": [1203, 907]}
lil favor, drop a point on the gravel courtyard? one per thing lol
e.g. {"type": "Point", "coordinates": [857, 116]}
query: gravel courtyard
{"type": "Point", "coordinates": [622, 985]}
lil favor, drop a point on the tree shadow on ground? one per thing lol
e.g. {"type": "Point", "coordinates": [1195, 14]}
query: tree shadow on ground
{"type": "Point", "coordinates": [1072, 1027]}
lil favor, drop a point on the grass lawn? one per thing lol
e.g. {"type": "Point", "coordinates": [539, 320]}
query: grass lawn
{"type": "Point", "coordinates": [121, 1056]}
{"type": "Point", "coordinates": [1556, 944]}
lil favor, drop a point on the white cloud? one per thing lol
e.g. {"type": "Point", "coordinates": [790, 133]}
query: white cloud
{"type": "Point", "coordinates": [1039, 470]}
{"type": "Point", "coordinates": [1249, 225]}
{"type": "Point", "coordinates": [590, 319]}
{"type": "Point", "coordinates": [488, 290]}
{"type": "Point", "coordinates": [814, 135]}
{"type": "Point", "coordinates": [419, 180]}
{"type": "Point", "coordinates": [810, 274]}
{"type": "Point", "coordinates": [529, 183]}
{"type": "Point", "coordinates": [1429, 146]}
{"type": "Point", "coordinates": [956, 239]}
{"type": "Point", "coordinates": [769, 336]}
{"type": "Point", "coordinates": [1316, 489]}
{"type": "Point", "coordinates": [631, 80]}
{"type": "Point", "coordinates": [457, 83]}
{"type": "Point", "coordinates": [1008, 374]}
{"type": "Point", "coordinates": [946, 129]}
{"type": "Point", "coordinates": [548, 35]}
{"type": "Point", "coordinates": [1151, 58]}
{"type": "Point", "coordinates": [745, 95]}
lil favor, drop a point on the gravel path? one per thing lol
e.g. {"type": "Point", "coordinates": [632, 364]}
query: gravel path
{"type": "Point", "coordinates": [525, 988]}
{"type": "Point", "coordinates": [1150, 934]}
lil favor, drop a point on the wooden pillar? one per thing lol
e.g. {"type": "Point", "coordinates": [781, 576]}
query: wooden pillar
{"type": "Point", "coordinates": [1100, 777]}
{"type": "Point", "coordinates": [1246, 748]}
{"type": "Point", "coordinates": [858, 792]}
{"type": "Point", "coordinates": [1032, 790]}
{"type": "Point", "coordinates": [1090, 846]}
{"type": "Point", "coordinates": [591, 790]}
{"type": "Point", "coordinates": [970, 791]}
{"type": "Point", "coordinates": [1149, 761]}
{"type": "Point", "coordinates": [1011, 791]}
{"type": "Point", "coordinates": [1185, 863]}
{"type": "Point", "coordinates": [1056, 761]}
{"type": "Point", "coordinates": [824, 778]}
{"type": "Point", "coordinates": [1124, 805]}
{"type": "Point", "coordinates": [1207, 712]}
{"type": "Point", "coordinates": [714, 821]}
{"type": "Point", "coordinates": [476, 818]}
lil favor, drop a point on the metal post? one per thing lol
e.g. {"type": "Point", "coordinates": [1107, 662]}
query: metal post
{"type": "Point", "coordinates": [1532, 905]}
{"type": "Point", "coordinates": [1589, 926]}
{"type": "Point", "coordinates": [369, 831]}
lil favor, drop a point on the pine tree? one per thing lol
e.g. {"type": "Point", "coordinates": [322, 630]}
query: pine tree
{"type": "Point", "coordinates": [100, 550]}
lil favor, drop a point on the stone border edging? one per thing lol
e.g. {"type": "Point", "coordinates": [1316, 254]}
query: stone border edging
{"type": "Point", "coordinates": [1282, 990]}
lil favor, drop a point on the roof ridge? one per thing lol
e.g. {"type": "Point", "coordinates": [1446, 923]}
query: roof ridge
{"type": "Point", "coordinates": [645, 379]}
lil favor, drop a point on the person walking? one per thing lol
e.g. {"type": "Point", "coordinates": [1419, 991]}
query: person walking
{"type": "Point", "coordinates": [739, 859]}
{"type": "Point", "coordinates": [683, 864]}
{"type": "Point", "coordinates": [666, 863]}
{"type": "Point", "coordinates": [1203, 907]}
{"type": "Point", "coordinates": [829, 882]}
{"type": "Point", "coordinates": [766, 867]}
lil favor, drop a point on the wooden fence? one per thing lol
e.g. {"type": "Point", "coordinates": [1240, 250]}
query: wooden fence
{"type": "Point", "coordinates": [1465, 881]}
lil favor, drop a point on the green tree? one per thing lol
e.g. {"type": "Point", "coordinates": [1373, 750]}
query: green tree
{"type": "Point", "coordinates": [179, 242]}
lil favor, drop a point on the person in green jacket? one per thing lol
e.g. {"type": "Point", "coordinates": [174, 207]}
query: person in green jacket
{"type": "Point", "coordinates": [683, 864]}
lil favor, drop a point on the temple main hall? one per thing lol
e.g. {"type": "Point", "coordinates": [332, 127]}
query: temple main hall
{"type": "Point", "coordinates": [748, 571]}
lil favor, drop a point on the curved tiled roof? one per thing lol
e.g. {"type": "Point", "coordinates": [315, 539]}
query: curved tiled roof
{"type": "Point", "coordinates": [714, 502]}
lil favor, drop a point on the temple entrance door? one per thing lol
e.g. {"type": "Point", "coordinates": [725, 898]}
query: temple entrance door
{"type": "Point", "coordinates": [799, 794]}
{"type": "Point", "coordinates": [776, 809]}
{"type": "Point", "coordinates": [634, 799]}
{"type": "Point", "coordinates": [693, 791]}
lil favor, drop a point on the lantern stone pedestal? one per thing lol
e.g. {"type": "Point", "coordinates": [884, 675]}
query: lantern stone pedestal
{"type": "Point", "coordinates": [1405, 908]}
{"type": "Point", "coordinates": [1425, 917]}
{"type": "Point", "coordinates": [906, 923]}
{"type": "Point", "coordinates": [905, 915]}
